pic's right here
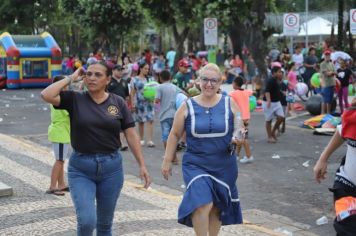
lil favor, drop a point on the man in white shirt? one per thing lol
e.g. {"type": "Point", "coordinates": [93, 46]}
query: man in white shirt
{"type": "Point", "coordinates": [297, 58]}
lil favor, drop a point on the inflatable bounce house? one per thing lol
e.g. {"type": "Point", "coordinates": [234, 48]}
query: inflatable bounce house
{"type": "Point", "coordinates": [28, 61]}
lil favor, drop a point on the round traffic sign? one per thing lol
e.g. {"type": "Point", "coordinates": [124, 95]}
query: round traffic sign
{"type": "Point", "coordinates": [210, 23]}
{"type": "Point", "coordinates": [291, 20]}
{"type": "Point", "coordinates": [353, 15]}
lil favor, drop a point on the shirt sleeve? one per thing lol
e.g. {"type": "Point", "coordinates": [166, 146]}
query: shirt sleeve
{"type": "Point", "coordinates": [127, 119]}
{"type": "Point", "coordinates": [268, 86]}
{"type": "Point", "coordinates": [66, 103]}
{"type": "Point", "coordinates": [339, 129]}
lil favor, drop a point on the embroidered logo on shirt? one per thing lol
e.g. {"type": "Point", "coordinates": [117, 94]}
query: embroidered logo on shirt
{"type": "Point", "coordinates": [113, 110]}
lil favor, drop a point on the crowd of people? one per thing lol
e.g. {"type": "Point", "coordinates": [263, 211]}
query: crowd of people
{"type": "Point", "coordinates": [187, 90]}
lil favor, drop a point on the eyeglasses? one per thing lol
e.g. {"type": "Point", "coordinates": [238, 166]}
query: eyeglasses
{"type": "Point", "coordinates": [213, 81]}
{"type": "Point", "coordinates": [96, 74]}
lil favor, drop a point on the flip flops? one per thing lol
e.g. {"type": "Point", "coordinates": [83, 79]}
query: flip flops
{"type": "Point", "coordinates": [56, 192]}
{"type": "Point", "coordinates": [65, 189]}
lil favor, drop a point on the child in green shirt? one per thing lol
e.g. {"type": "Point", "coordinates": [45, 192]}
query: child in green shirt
{"type": "Point", "coordinates": [59, 135]}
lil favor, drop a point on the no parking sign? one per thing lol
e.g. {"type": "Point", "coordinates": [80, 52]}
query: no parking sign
{"type": "Point", "coordinates": [210, 31]}
{"type": "Point", "coordinates": [353, 21]}
{"type": "Point", "coordinates": [290, 24]}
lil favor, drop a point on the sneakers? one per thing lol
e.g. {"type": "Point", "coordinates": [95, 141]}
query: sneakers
{"type": "Point", "coordinates": [246, 159]}
{"type": "Point", "coordinates": [150, 144]}
{"type": "Point", "coordinates": [142, 142]}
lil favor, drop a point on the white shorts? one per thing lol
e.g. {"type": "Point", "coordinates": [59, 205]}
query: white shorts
{"type": "Point", "coordinates": [274, 111]}
{"type": "Point", "coordinates": [61, 151]}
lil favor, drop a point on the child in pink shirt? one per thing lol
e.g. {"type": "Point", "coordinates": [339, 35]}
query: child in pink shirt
{"type": "Point", "coordinates": [242, 98]}
{"type": "Point", "coordinates": [292, 83]}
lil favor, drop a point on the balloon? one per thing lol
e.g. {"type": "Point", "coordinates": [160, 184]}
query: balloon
{"type": "Point", "coordinates": [149, 91]}
{"type": "Point", "coordinates": [135, 67]}
{"type": "Point", "coordinates": [351, 90]}
{"type": "Point", "coordinates": [180, 99]}
{"type": "Point", "coordinates": [315, 80]}
{"type": "Point", "coordinates": [313, 105]}
{"type": "Point", "coordinates": [194, 91]}
{"type": "Point", "coordinates": [301, 89]}
{"type": "Point", "coordinates": [253, 103]}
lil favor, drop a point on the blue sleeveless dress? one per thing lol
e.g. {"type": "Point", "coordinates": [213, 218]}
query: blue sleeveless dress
{"type": "Point", "coordinates": [209, 170]}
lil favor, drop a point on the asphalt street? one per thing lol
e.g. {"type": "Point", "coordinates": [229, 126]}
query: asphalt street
{"type": "Point", "coordinates": [282, 186]}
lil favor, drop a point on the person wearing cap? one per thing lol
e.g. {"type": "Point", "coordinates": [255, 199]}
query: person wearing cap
{"type": "Point", "coordinates": [327, 82]}
{"type": "Point", "coordinates": [119, 87]}
{"type": "Point", "coordinates": [182, 77]}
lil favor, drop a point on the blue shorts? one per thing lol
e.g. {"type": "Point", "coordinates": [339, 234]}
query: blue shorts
{"type": "Point", "coordinates": [328, 94]}
{"type": "Point", "coordinates": [166, 126]}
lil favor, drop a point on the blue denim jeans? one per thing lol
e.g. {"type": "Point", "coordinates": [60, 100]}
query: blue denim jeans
{"type": "Point", "coordinates": [166, 126]}
{"type": "Point", "coordinates": [95, 177]}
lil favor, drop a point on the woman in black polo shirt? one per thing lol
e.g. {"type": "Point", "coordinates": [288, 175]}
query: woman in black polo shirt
{"type": "Point", "coordinates": [95, 171]}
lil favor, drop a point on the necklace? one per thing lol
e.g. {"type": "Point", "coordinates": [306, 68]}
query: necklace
{"type": "Point", "coordinates": [207, 110]}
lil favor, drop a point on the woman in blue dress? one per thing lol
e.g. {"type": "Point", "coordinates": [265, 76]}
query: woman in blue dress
{"type": "Point", "coordinates": [209, 165]}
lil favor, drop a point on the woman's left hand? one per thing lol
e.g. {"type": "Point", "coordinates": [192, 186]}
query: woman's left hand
{"type": "Point", "coordinates": [145, 176]}
{"type": "Point", "coordinates": [166, 169]}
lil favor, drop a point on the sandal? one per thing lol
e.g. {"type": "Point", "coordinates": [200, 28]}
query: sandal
{"type": "Point", "coordinates": [56, 192]}
{"type": "Point", "coordinates": [66, 189]}
{"type": "Point", "coordinates": [124, 148]}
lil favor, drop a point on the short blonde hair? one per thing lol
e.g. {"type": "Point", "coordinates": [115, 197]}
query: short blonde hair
{"type": "Point", "coordinates": [210, 67]}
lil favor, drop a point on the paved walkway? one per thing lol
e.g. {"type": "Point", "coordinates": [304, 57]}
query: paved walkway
{"type": "Point", "coordinates": [26, 167]}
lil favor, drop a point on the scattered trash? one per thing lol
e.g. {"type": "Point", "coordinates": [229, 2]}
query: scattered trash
{"type": "Point", "coordinates": [290, 170]}
{"type": "Point", "coordinates": [4, 90]}
{"type": "Point", "coordinates": [306, 164]}
{"type": "Point", "coordinates": [300, 143]}
{"type": "Point", "coordinates": [322, 220]}
{"type": "Point", "coordinates": [7, 105]}
{"type": "Point", "coordinates": [182, 186]}
{"type": "Point", "coordinates": [1, 119]}
{"type": "Point", "coordinates": [283, 231]}
{"type": "Point", "coordinates": [316, 146]}
{"type": "Point", "coordinates": [45, 108]}
{"type": "Point", "coordinates": [32, 95]}
{"type": "Point", "coordinates": [317, 152]}
{"type": "Point", "coordinates": [275, 156]}
{"type": "Point", "coordinates": [24, 118]}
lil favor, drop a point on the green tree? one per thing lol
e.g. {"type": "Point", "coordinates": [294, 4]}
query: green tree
{"type": "Point", "coordinates": [105, 21]}
{"type": "Point", "coordinates": [180, 16]}
{"type": "Point", "coordinates": [26, 17]}
{"type": "Point", "coordinates": [243, 21]}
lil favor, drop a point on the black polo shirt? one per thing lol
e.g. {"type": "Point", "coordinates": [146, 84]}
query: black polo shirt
{"type": "Point", "coordinates": [119, 87]}
{"type": "Point", "coordinates": [95, 128]}
{"type": "Point", "coordinates": [273, 88]}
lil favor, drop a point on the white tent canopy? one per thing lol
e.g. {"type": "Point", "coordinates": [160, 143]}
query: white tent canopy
{"type": "Point", "coordinates": [317, 26]}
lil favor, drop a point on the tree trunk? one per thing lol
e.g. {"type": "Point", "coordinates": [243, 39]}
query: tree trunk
{"type": "Point", "coordinates": [190, 42]}
{"type": "Point", "coordinates": [256, 40]}
{"type": "Point", "coordinates": [236, 37]}
{"type": "Point", "coordinates": [179, 39]}
{"type": "Point", "coordinates": [340, 29]}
